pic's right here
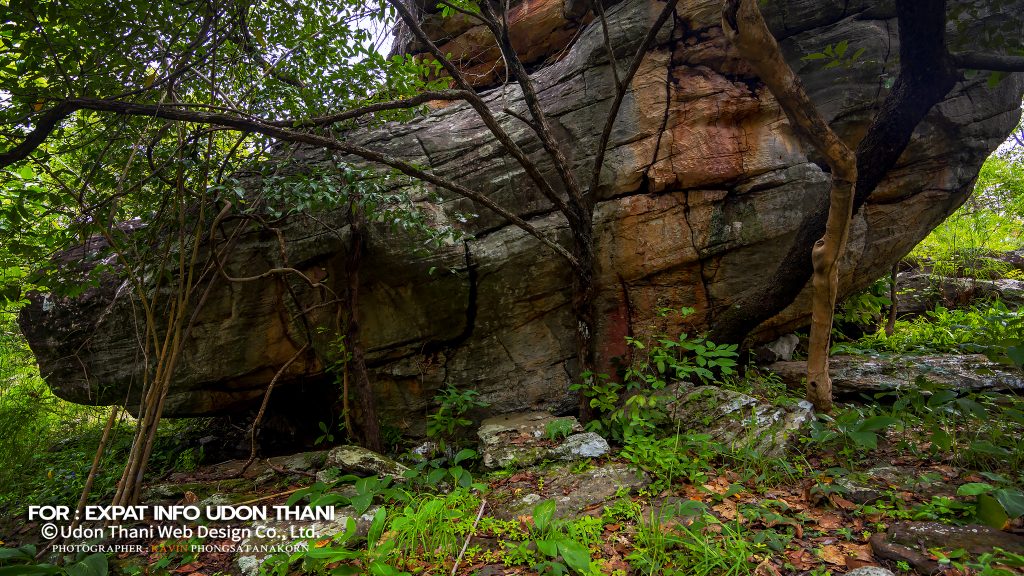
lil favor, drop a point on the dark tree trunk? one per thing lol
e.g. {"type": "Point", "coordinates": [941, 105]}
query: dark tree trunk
{"type": "Point", "coordinates": [584, 292]}
{"type": "Point", "coordinates": [366, 418]}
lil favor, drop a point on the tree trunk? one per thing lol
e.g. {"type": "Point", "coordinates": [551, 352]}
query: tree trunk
{"type": "Point", "coordinates": [747, 30]}
{"type": "Point", "coordinates": [366, 418]}
{"type": "Point", "coordinates": [584, 291]}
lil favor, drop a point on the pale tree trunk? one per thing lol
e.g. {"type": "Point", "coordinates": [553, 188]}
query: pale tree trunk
{"type": "Point", "coordinates": [744, 26]}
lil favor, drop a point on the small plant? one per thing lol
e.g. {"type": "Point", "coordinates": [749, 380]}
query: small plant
{"type": "Point", "coordinates": [558, 429]}
{"type": "Point", "coordinates": [325, 436]}
{"type": "Point", "coordinates": [559, 550]}
{"type": "Point", "coordinates": [22, 561]}
{"type": "Point", "coordinates": [450, 417]}
{"type": "Point", "coordinates": [634, 406]}
{"type": "Point", "coordinates": [993, 506]}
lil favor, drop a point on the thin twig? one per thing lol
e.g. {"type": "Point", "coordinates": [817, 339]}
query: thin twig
{"type": "Point", "coordinates": [469, 537]}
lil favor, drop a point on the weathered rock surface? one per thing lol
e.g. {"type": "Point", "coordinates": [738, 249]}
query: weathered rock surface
{"type": "Point", "coordinates": [524, 438]}
{"type": "Point", "coordinates": [920, 292]}
{"type": "Point", "coordinates": [361, 462]}
{"type": "Point", "coordinates": [904, 541]}
{"type": "Point", "coordinates": [870, 571]}
{"type": "Point", "coordinates": [739, 421]}
{"type": "Point", "coordinates": [575, 492]}
{"type": "Point", "coordinates": [703, 188]}
{"type": "Point", "coordinates": [852, 374]}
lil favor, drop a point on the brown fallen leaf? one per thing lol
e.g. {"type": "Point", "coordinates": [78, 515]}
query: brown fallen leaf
{"type": "Point", "coordinates": [840, 502]}
{"type": "Point", "coordinates": [829, 521]}
{"type": "Point", "coordinates": [727, 509]}
{"type": "Point", "coordinates": [833, 554]}
{"type": "Point", "coordinates": [766, 568]}
{"type": "Point", "coordinates": [801, 559]}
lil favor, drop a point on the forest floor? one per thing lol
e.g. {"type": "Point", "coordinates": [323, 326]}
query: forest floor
{"type": "Point", "coordinates": [844, 496]}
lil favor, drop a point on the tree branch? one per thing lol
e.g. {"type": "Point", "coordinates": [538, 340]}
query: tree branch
{"type": "Point", "coordinates": [620, 93]}
{"type": "Point", "coordinates": [47, 122]}
{"type": "Point", "coordinates": [259, 127]}
{"type": "Point", "coordinates": [540, 122]}
{"type": "Point", "coordinates": [986, 61]}
{"type": "Point", "coordinates": [417, 100]}
{"type": "Point", "coordinates": [481, 107]}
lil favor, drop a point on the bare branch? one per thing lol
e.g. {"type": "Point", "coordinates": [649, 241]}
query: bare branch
{"type": "Point", "coordinates": [986, 61]}
{"type": "Point", "coordinates": [620, 93]}
{"type": "Point", "coordinates": [597, 6]}
{"type": "Point", "coordinates": [47, 122]}
{"type": "Point", "coordinates": [259, 127]}
{"type": "Point", "coordinates": [481, 107]}
{"type": "Point", "coordinates": [540, 122]}
{"type": "Point", "coordinates": [417, 100]}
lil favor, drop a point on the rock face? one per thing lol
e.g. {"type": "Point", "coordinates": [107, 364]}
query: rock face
{"type": "Point", "coordinates": [703, 188]}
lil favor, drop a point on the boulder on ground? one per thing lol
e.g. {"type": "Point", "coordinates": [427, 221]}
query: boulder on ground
{"type": "Point", "coordinates": [738, 420]}
{"type": "Point", "coordinates": [704, 189]}
{"type": "Point", "coordinates": [361, 462]}
{"type": "Point", "coordinates": [524, 438]}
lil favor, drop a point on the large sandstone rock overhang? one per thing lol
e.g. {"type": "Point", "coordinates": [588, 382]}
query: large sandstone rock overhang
{"type": "Point", "coordinates": [703, 188]}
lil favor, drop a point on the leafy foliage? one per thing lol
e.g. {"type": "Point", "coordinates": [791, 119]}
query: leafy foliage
{"type": "Point", "coordinates": [633, 403]}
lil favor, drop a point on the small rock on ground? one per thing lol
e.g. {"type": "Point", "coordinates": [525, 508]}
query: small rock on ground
{"type": "Point", "coordinates": [360, 461]}
{"type": "Point", "coordinates": [870, 571]}
{"type": "Point", "coordinates": [524, 438]}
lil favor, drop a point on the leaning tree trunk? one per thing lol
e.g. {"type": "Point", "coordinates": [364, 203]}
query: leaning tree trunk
{"type": "Point", "coordinates": [747, 30]}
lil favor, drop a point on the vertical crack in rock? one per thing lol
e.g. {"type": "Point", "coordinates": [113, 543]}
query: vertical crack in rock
{"type": "Point", "coordinates": [668, 106]}
{"type": "Point", "coordinates": [471, 310]}
{"type": "Point", "coordinates": [700, 257]}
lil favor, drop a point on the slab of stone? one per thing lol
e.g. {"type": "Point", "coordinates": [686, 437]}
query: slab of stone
{"type": "Point", "coordinates": [524, 438]}
{"type": "Point", "coordinates": [973, 538]}
{"type": "Point", "coordinates": [576, 493]}
{"type": "Point", "coordinates": [739, 420]}
{"type": "Point", "coordinates": [850, 374]}
{"type": "Point", "coordinates": [361, 462]}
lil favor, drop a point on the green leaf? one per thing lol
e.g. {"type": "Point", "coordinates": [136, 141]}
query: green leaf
{"type": "Point", "coordinates": [864, 439]}
{"type": "Point", "coordinates": [464, 454]}
{"type": "Point", "coordinates": [1012, 501]}
{"type": "Point", "coordinates": [576, 555]}
{"type": "Point", "coordinates": [548, 547]}
{"type": "Point", "coordinates": [990, 512]}
{"type": "Point", "coordinates": [543, 513]}
{"type": "Point", "coordinates": [92, 565]}
{"type": "Point", "coordinates": [876, 423]}
{"type": "Point", "coordinates": [377, 526]}
{"type": "Point", "coordinates": [941, 440]}
{"type": "Point", "coordinates": [361, 502]}
{"type": "Point", "coordinates": [974, 489]}
{"type": "Point", "coordinates": [986, 447]}
{"type": "Point", "coordinates": [378, 568]}
{"type": "Point", "coordinates": [25, 553]}
{"type": "Point", "coordinates": [1016, 355]}
{"type": "Point", "coordinates": [940, 397]}
{"type": "Point", "coordinates": [29, 570]}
